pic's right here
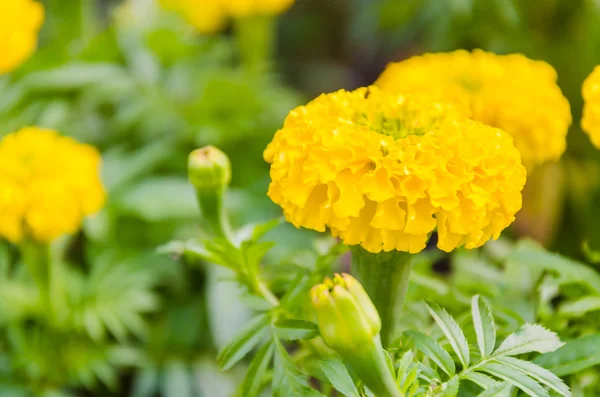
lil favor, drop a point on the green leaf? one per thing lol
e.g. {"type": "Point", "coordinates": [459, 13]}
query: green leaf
{"type": "Point", "coordinates": [538, 373]}
{"type": "Point", "coordinates": [451, 387]}
{"type": "Point", "coordinates": [529, 253]}
{"type": "Point", "coordinates": [529, 338]}
{"type": "Point", "coordinates": [433, 350]}
{"type": "Point", "coordinates": [245, 340]}
{"type": "Point", "coordinates": [452, 331]}
{"type": "Point", "coordinates": [580, 307]}
{"type": "Point", "coordinates": [290, 329]}
{"type": "Point", "coordinates": [516, 378]}
{"type": "Point", "coordinates": [287, 379]}
{"type": "Point", "coordinates": [254, 379]}
{"type": "Point", "coordinates": [483, 321]}
{"type": "Point", "coordinates": [339, 377]}
{"type": "Point", "coordinates": [499, 390]}
{"type": "Point", "coordinates": [573, 357]}
{"type": "Point", "coordinates": [482, 380]}
{"type": "Point", "coordinates": [177, 380]}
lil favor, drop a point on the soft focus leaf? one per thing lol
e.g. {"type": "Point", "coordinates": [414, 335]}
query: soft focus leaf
{"type": "Point", "coordinates": [433, 350]}
{"type": "Point", "coordinates": [255, 377]}
{"type": "Point", "coordinates": [244, 341]}
{"type": "Point", "coordinates": [574, 357]}
{"type": "Point", "coordinates": [289, 329]}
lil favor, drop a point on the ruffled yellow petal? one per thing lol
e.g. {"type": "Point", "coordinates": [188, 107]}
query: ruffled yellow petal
{"type": "Point", "coordinates": [590, 121]}
{"type": "Point", "coordinates": [20, 22]}
{"type": "Point", "coordinates": [384, 171]}
{"type": "Point", "coordinates": [510, 92]}
{"type": "Point", "coordinates": [48, 183]}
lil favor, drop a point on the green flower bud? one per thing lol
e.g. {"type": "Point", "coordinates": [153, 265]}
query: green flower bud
{"type": "Point", "coordinates": [350, 324]}
{"type": "Point", "coordinates": [209, 171]}
{"type": "Point", "coordinates": [345, 314]}
{"type": "Point", "coordinates": [209, 168]}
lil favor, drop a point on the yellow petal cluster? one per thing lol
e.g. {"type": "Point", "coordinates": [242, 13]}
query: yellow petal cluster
{"type": "Point", "coordinates": [20, 22]}
{"type": "Point", "coordinates": [590, 121]}
{"type": "Point", "coordinates": [207, 16]}
{"type": "Point", "coordinates": [48, 183]}
{"type": "Point", "coordinates": [210, 16]}
{"type": "Point", "coordinates": [384, 170]}
{"type": "Point", "coordinates": [510, 92]}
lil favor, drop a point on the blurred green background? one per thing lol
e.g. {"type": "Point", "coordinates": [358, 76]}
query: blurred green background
{"type": "Point", "coordinates": [141, 85]}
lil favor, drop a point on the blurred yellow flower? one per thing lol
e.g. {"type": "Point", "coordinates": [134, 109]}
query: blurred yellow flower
{"type": "Point", "coordinates": [210, 16]}
{"type": "Point", "coordinates": [590, 121]}
{"type": "Point", "coordinates": [20, 22]}
{"type": "Point", "coordinates": [207, 16]}
{"type": "Point", "coordinates": [246, 8]}
{"type": "Point", "coordinates": [384, 170]}
{"type": "Point", "coordinates": [510, 92]}
{"type": "Point", "coordinates": [48, 183]}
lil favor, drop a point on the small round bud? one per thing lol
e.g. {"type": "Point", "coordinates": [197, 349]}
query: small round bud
{"type": "Point", "coordinates": [209, 168]}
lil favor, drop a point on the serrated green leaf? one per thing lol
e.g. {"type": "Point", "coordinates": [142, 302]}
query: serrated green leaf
{"type": "Point", "coordinates": [452, 331]}
{"type": "Point", "coordinates": [529, 338]}
{"type": "Point", "coordinates": [485, 329]}
{"type": "Point", "coordinates": [403, 365]}
{"type": "Point", "coordinates": [287, 379]}
{"type": "Point", "coordinates": [482, 380]}
{"type": "Point", "coordinates": [514, 377]}
{"type": "Point", "coordinates": [290, 329]}
{"type": "Point", "coordinates": [254, 379]}
{"type": "Point", "coordinates": [433, 350]}
{"type": "Point", "coordinates": [499, 390]}
{"type": "Point", "coordinates": [243, 342]}
{"type": "Point", "coordinates": [573, 357]}
{"type": "Point", "coordinates": [538, 373]}
{"type": "Point", "coordinates": [339, 377]}
{"type": "Point", "coordinates": [411, 375]}
{"type": "Point", "coordinates": [451, 387]}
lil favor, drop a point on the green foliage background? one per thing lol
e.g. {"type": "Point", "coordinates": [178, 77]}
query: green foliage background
{"type": "Point", "coordinates": [122, 319]}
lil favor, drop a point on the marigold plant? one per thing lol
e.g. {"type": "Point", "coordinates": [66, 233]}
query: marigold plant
{"type": "Point", "coordinates": [48, 183]}
{"type": "Point", "coordinates": [20, 22]}
{"type": "Point", "coordinates": [510, 92]}
{"type": "Point", "coordinates": [384, 170]}
{"type": "Point", "coordinates": [590, 121]}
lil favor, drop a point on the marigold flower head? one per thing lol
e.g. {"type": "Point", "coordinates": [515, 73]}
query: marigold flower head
{"type": "Point", "coordinates": [384, 170]}
{"type": "Point", "coordinates": [590, 121]}
{"type": "Point", "coordinates": [207, 16]}
{"type": "Point", "coordinates": [245, 8]}
{"type": "Point", "coordinates": [210, 16]}
{"type": "Point", "coordinates": [20, 22]}
{"type": "Point", "coordinates": [48, 183]}
{"type": "Point", "coordinates": [510, 92]}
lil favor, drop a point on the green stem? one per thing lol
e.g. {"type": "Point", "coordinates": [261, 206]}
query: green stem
{"type": "Point", "coordinates": [213, 212]}
{"type": "Point", "coordinates": [256, 40]}
{"type": "Point", "coordinates": [36, 258]}
{"type": "Point", "coordinates": [370, 365]}
{"type": "Point", "coordinates": [385, 278]}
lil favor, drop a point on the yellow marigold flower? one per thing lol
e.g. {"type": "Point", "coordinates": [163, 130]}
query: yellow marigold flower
{"type": "Point", "coordinates": [48, 183]}
{"type": "Point", "coordinates": [590, 121]}
{"type": "Point", "coordinates": [383, 171]}
{"type": "Point", "coordinates": [510, 92]}
{"type": "Point", "coordinates": [245, 8]}
{"type": "Point", "coordinates": [207, 16]}
{"type": "Point", "coordinates": [20, 22]}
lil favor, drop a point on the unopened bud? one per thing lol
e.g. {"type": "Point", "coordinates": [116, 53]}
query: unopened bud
{"type": "Point", "coordinates": [346, 316]}
{"type": "Point", "coordinates": [209, 168]}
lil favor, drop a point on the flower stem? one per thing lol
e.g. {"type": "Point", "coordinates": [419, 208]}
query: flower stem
{"type": "Point", "coordinates": [371, 366]}
{"type": "Point", "coordinates": [256, 40]}
{"type": "Point", "coordinates": [385, 278]}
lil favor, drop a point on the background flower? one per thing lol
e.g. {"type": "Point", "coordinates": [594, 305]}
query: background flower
{"type": "Point", "coordinates": [511, 92]}
{"type": "Point", "coordinates": [48, 183]}
{"type": "Point", "coordinates": [20, 21]}
{"type": "Point", "coordinates": [384, 171]}
{"type": "Point", "coordinates": [591, 110]}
